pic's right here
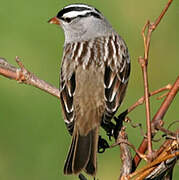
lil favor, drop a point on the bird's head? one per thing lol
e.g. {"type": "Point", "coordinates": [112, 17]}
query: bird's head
{"type": "Point", "coordinates": [81, 22]}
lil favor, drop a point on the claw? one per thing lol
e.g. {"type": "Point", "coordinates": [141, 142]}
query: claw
{"type": "Point", "coordinates": [109, 128]}
{"type": "Point", "coordinates": [112, 129]}
{"type": "Point", "coordinates": [102, 145]}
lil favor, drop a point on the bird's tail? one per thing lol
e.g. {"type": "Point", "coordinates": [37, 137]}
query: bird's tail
{"type": "Point", "coordinates": [82, 153]}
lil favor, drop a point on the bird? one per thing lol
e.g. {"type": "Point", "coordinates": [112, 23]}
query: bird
{"type": "Point", "coordinates": [94, 75]}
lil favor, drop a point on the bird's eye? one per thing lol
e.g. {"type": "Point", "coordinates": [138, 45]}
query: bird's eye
{"type": "Point", "coordinates": [68, 20]}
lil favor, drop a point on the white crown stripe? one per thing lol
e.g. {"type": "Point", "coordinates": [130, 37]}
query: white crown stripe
{"type": "Point", "coordinates": [74, 14]}
{"type": "Point", "coordinates": [78, 5]}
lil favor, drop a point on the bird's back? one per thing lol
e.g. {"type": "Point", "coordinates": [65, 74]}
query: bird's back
{"type": "Point", "coordinates": [89, 97]}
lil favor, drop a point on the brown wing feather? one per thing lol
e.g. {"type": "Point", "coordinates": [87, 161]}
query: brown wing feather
{"type": "Point", "coordinates": [116, 77]}
{"type": "Point", "coordinates": [67, 89]}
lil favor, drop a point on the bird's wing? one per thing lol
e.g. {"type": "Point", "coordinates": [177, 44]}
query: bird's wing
{"type": "Point", "coordinates": [116, 75]}
{"type": "Point", "coordinates": [67, 89]}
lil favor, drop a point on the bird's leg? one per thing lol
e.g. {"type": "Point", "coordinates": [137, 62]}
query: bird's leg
{"type": "Point", "coordinates": [109, 127]}
{"type": "Point", "coordinates": [112, 129]}
{"type": "Point", "coordinates": [119, 123]}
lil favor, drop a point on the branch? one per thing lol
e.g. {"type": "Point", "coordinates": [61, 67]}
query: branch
{"type": "Point", "coordinates": [157, 120]}
{"type": "Point", "coordinates": [22, 75]}
{"type": "Point", "coordinates": [164, 161]}
{"type": "Point", "coordinates": [142, 99]}
{"type": "Point", "coordinates": [126, 157]}
{"type": "Point", "coordinates": [149, 27]}
{"type": "Point", "coordinates": [143, 62]}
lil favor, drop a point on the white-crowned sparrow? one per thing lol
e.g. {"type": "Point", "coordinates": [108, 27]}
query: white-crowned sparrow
{"type": "Point", "coordinates": [94, 75]}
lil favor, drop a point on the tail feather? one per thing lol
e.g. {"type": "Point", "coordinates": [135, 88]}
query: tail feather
{"type": "Point", "coordinates": [91, 166]}
{"type": "Point", "coordinates": [68, 164]}
{"type": "Point", "coordinates": [82, 153]}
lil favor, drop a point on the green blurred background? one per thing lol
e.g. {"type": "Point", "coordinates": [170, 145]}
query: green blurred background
{"type": "Point", "coordinates": [33, 138]}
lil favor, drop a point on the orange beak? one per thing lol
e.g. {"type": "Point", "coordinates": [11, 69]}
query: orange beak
{"type": "Point", "coordinates": [54, 20]}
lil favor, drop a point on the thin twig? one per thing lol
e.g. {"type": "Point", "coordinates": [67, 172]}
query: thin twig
{"type": "Point", "coordinates": [166, 131]}
{"type": "Point", "coordinates": [143, 62]}
{"type": "Point", "coordinates": [170, 152]}
{"type": "Point", "coordinates": [157, 119]}
{"type": "Point", "coordinates": [142, 99]}
{"type": "Point", "coordinates": [149, 27]}
{"type": "Point", "coordinates": [157, 21]}
{"type": "Point", "coordinates": [126, 142]}
{"type": "Point", "coordinates": [171, 124]}
{"type": "Point", "coordinates": [22, 75]}
{"type": "Point", "coordinates": [166, 144]}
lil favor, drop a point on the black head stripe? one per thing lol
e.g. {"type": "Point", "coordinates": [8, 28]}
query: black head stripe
{"type": "Point", "coordinates": [82, 16]}
{"type": "Point", "coordinates": [66, 10]}
{"type": "Point", "coordinates": [97, 10]}
{"type": "Point", "coordinates": [68, 20]}
{"type": "Point", "coordinates": [91, 14]}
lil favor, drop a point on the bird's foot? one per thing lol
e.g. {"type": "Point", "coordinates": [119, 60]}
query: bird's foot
{"type": "Point", "coordinates": [102, 145]}
{"type": "Point", "coordinates": [109, 127]}
{"type": "Point", "coordinates": [112, 129]}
